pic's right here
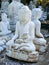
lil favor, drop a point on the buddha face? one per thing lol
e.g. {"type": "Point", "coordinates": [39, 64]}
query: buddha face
{"type": "Point", "coordinates": [24, 14]}
{"type": "Point", "coordinates": [3, 17]}
{"type": "Point", "coordinates": [36, 13]}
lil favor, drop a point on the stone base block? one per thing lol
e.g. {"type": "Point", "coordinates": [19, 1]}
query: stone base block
{"type": "Point", "coordinates": [24, 56]}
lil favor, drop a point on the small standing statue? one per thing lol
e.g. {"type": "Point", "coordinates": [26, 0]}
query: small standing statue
{"type": "Point", "coordinates": [21, 46]}
{"type": "Point", "coordinates": [39, 39]}
{"type": "Point", "coordinates": [4, 6]}
{"type": "Point", "coordinates": [13, 9]}
{"type": "Point", "coordinates": [5, 33]}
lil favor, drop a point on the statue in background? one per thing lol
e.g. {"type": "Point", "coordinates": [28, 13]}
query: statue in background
{"type": "Point", "coordinates": [4, 6]}
{"type": "Point", "coordinates": [13, 9]}
{"type": "Point", "coordinates": [5, 33]}
{"type": "Point", "coordinates": [5, 20]}
{"type": "Point", "coordinates": [39, 39]}
{"type": "Point", "coordinates": [21, 46]}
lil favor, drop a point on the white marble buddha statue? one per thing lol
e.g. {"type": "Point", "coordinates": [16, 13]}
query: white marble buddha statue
{"type": "Point", "coordinates": [13, 9]}
{"type": "Point", "coordinates": [4, 6]}
{"type": "Point", "coordinates": [39, 39]}
{"type": "Point", "coordinates": [21, 46]}
{"type": "Point", "coordinates": [5, 33]}
{"type": "Point", "coordinates": [5, 20]}
{"type": "Point", "coordinates": [4, 24]}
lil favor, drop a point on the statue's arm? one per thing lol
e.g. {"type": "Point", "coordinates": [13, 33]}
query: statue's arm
{"type": "Point", "coordinates": [38, 29]}
{"type": "Point", "coordinates": [32, 31]}
{"type": "Point", "coordinates": [8, 25]}
{"type": "Point", "coordinates": [16, 33]}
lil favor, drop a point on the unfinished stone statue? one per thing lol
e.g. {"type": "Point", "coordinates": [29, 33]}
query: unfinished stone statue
{"type": "Point", "coordinates": [21, 46]}
{"type": "Point", "coordinates": [4, 6]}
{"type": "Point", "coordinates": [5, 33]}
{"type": "Point", "coordinates": [39, 39]}
{"type": "Point", "coordinates": [13, 9]}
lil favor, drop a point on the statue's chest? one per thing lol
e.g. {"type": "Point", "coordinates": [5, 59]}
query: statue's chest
{"type": "Point", "coordinates": [24, 29]}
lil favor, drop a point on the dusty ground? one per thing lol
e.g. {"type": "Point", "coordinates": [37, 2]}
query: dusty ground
{"type": "Point", "coordinates": [43, 59]}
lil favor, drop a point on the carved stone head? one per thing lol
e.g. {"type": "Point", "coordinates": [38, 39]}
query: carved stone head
{"type": "Point", "coordinates": [36, 13]}
{"type": "Point", "coordinates": [24, 14]}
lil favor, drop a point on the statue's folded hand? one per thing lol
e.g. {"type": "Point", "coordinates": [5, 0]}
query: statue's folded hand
{"type": "Point", "coordinates": [19, 41]}
{"type": "Point", "coordinates": [39, 35]}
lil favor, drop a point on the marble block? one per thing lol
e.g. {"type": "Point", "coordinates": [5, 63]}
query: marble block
{"type": "Point", "coordinates": [23, 56]}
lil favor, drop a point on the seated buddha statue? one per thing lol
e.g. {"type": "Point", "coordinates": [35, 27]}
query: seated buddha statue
{"type": "Point", "coordinates": [4, 24]}
{"type": "Point", "coordinates": [21, 46]}
{"type": "Point", "coordinates": [39, 38]}
{"type": "Point", "coordinates": [6, 20]}
{"type": "Point", "coordinates": [5, 33]}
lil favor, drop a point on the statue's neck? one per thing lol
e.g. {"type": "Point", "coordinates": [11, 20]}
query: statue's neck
{"type": "Point", "coordinates": [23, 22]}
